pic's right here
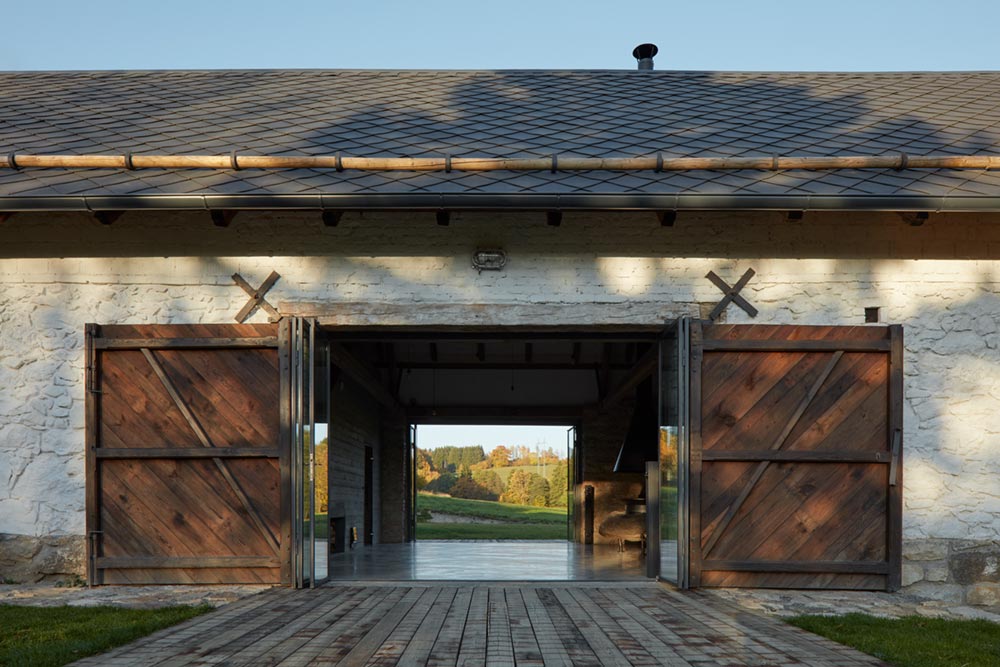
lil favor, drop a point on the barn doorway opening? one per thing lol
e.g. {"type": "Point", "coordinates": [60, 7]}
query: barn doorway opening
{"type": "Point", "coordinates": [494, 482]}
{"type": "Point", "coordinates": [430, 508]}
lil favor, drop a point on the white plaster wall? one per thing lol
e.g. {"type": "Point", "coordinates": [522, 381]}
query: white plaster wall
{"type": "Point", "coordinates": [64, 271]}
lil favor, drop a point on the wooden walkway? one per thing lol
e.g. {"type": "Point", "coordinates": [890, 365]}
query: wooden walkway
{"type": "Point", "coordinates": [483, 624]}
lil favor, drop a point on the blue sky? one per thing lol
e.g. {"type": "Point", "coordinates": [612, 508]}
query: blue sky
{"type": "Point", "coordinates": [431, 436]}
{"type": "Point", "coordinates": [693, 34]}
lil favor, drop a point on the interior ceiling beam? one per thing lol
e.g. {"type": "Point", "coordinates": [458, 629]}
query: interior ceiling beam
{"type": "Point", "coordinates": [500, 366]}
{"type": "Point", "coordinates": [639, 372]}
{"type": "Point", "coordinates": [487, 412]}
{"type": "Point", "coordinates": [471, 335]}
{"type": "Point", "coordinates": [604, 372]}
{"type": "Point", "coordinates": [361, 373]}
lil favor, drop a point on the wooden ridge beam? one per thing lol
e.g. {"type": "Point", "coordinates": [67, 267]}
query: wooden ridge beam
{"type": "Point", "coordinates": [363, 374]}
{"type": "Point", "coordinates": [657, 162]}
{"type": "Point", "coordinates": [642, 369]}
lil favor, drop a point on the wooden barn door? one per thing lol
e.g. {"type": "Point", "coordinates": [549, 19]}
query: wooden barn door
{"type": "Point", "coordinates": [796, 456]}
{"type": "Point", "coordinates": [185, 457]}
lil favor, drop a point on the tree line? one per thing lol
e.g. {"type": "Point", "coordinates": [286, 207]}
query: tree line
{"type": "Point", "coordinates": [468, 472]}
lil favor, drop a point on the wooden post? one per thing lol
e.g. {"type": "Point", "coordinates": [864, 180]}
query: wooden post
{"type": "Point", "coordinates": [894, 530]}
{"type": "Point", "coordinates": [588, 514]}
{"type": "Point", "coordinates": [694, 438]}
{"type": "Point", "coordinates": [285, 446]}
{"type": "Point", "coordinates": [91, 435]}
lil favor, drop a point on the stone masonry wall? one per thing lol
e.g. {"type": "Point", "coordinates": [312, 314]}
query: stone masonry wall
{"type": "Point", "coordinates": [940, 280]}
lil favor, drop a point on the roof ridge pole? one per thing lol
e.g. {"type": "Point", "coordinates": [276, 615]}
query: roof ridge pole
{"type": "Point", "coordinates": [553, 163]}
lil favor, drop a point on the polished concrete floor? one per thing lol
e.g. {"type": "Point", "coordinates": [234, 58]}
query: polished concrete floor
{"type": "Point", "coordinates": [507, 560]}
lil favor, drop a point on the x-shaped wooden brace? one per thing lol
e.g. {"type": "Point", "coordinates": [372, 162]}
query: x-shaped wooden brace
{"type": "Point", "coordinates": [257, 297]}
{"type": "Point", "coordinates": [732, 294]}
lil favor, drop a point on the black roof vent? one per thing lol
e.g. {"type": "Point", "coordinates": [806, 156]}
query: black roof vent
{"type": "Point", "coordinates": [644, 54]}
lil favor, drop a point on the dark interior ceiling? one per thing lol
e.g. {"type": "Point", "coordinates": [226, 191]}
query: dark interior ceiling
{"type": "Point", "coordinates": [458, 377]}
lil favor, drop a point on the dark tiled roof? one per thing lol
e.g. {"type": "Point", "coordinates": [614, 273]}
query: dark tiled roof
{"type": "Point", "coordinates": [502, 113]}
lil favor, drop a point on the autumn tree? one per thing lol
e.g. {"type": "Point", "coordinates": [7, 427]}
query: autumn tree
{"type": "Point", "coordinates": [517, 491]}
{"type": "Point", "coordinates": [558, 486]}
{"type": "Point", "coordinates": [538, 491]}
{"type": "Point", "coordinates": [499, 457]}
{"type": "Point", "coordinates": [490, 481]}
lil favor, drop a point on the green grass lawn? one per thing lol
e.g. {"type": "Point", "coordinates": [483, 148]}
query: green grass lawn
{"type": "Point", "coordinates": [912, 641]}
{"type": "Point", "coordinates": [490, 531]}
{"type": "Point", "coordinates": [487, 509]}
{"type": "Point", "coordinates": [52, 636]}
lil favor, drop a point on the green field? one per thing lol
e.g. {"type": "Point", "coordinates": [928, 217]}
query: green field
{"type": "Point", "coordinates": [486, 509]}
{"type": "Point", "coordinates": [913, 641]}
{"type": "Point", "coordinates": [520, 522]}
{"type": "Point", "coordinates": [53, 636]}
{"type": "Point", "coordinates": [490, 531]}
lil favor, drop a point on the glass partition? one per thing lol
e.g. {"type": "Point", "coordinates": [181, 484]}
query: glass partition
{"type": "Point", "coordinates": [672, 454]}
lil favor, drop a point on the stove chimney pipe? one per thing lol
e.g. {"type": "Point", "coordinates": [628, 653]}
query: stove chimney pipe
{"type": "Point", "coordinates": [644, 54]}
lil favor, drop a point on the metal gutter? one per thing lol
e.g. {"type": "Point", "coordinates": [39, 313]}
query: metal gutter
{"type": "Point", "coordinates": [578, 201]}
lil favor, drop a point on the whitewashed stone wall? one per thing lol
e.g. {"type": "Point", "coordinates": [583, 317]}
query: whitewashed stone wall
{"type": "Point", "coordinates": [941, 281]}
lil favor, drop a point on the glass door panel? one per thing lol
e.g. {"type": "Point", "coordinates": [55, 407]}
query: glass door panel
{"type": "Point", "coordinates": [571, 454]}
{"type": "Point", "coordinates": [672, 451]}
{"type": "Point", "coordinates": [303, 400]}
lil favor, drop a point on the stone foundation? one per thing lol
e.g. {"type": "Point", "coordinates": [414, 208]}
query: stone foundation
{"type": "Point", "coordinates": [27, 559]}
{"type": "Point", "coordinates": [953, 570]}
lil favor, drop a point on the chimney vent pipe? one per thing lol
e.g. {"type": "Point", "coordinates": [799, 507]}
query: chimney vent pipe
{"type": "Point", "coordinates": [644, 54]}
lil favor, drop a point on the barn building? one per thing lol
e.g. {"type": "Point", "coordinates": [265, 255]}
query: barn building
{"type": "Point", "coordinates": [801, 357]}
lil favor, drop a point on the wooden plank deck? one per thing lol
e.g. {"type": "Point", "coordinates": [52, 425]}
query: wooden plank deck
{"type": "Point", "coordinates": [482, 624]}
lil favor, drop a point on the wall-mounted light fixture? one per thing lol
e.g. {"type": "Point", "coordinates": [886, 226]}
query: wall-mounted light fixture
{"type": "Point", "coordinates": [489, 260]}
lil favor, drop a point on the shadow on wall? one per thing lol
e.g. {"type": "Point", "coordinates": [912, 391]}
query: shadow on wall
{"type": "Point", "coordinates": [823, 269]}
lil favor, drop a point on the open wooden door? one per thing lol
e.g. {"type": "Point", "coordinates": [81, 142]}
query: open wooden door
{"type": "Point", "coordinates": [185, 455]}
{"type": "Point", "coordinates": [796, 456]}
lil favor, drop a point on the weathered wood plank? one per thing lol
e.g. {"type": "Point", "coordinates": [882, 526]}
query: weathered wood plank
{"type": "Point", "coordinates": [472, 652]}
{"type": "Point", "coordinates": [633, 650]}
{"type": "Point", "coordinates": [623, 315]}
{"type": "Point", "coordinates": [715, 345]}
{"type": "Point", "coordinates": [894, 532]}
{"type": "Point", "coordinates": [444, 652]}
{"type": "Point", "coordinates": [849, 567]}
{"type": "Point", "coordinates": [795, 456]}
{"type": "Point", "coordinates": [417, 652]}
{"type": "Point", "coordinates": [499, 644]}
{"type": "Point", "coordinates": [373, 638]}
{"type": "Point", "coordinates": [569, 633]}
{"type": "Point", "coordinates": [600, 643]}
{"type": "Point", "coordinates": [198, 562]}
{"type": "Point", "coordinates": [91, 443]}
{"type": "Point", "coordinates": [185, 453]}
{"type": "Point", "coordinates": [196, 426]}
{"type": "Point", "coordinates": [695, 447]}
{"type": "Point", "coordinates": [778, 443]}
{"type": "Point", "coordinates": [552, 651]}
{"type": "Point", "coordinates": [184, 343]}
